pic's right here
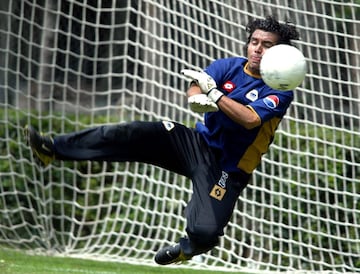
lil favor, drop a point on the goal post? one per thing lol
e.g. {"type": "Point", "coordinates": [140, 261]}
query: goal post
{"type": "Point", "coordinates": [68, 65]}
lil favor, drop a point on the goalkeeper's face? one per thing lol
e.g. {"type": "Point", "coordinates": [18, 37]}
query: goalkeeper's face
{"type": "Point", "coordinates": [259, 43]}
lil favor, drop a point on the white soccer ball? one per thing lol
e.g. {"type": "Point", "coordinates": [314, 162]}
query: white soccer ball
{"type": "Point", "coordinates": [283, 67]}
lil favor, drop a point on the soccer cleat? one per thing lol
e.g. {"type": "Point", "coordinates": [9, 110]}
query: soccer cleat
{"type": "Point", "coordinates": [41, 146]}
{"type": "Point", "coordinates": [170, 255]}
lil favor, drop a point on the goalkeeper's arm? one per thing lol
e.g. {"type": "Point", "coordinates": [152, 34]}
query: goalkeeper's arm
{"type": "Point", "coordinates": [238, 112]}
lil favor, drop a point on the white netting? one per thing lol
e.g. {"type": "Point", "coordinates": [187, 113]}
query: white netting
{"type": "Point", "coordinates": [67, 65]}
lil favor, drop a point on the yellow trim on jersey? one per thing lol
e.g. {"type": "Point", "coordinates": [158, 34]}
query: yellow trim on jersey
{"type": "Point", "coordinates": [252, 156]}
{"type": "Point", "coordinates": [253, 110]}
{"type": "Point", "coordinates": [247, 71]}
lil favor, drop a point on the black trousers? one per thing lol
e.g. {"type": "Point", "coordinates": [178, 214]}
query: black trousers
{"type": "Point", "coordinates": [176, 148]}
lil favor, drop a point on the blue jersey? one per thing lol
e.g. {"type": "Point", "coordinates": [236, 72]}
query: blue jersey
{"type": "Point", "coordinates": [241, 148]}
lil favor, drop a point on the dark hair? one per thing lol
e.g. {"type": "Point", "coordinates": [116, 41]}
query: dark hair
{"type": "Point", "coordinates": [286, 31]}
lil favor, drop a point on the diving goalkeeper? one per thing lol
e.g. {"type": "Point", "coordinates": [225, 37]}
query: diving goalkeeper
{"type": "Point", "coordinates": [219, 155]}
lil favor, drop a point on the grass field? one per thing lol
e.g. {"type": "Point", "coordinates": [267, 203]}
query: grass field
{"type": "Point", "coordinates": [14, 262]}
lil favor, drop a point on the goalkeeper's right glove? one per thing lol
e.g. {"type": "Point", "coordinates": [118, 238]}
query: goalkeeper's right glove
{"type": "Point", "coordinates": [201, 103]}
{"type": "Point", "coordinates": [206, 83]}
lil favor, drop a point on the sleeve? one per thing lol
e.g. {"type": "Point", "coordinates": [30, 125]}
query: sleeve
{"type": "Point", "coordinates": [272, 104]}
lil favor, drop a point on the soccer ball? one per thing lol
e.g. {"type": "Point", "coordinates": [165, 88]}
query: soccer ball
{"type": "Point", "coordinates": [283, 67]}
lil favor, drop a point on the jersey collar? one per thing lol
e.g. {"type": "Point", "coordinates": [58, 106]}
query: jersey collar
{"type": "Point", "coordinates": [247, 71]}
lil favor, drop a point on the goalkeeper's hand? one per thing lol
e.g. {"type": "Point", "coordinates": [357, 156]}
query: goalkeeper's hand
{"type": "Point", "coordinates": [201, 103]}
{"type": "Point", "coordinates": [202, 79]}
{"type": "Point", "coordinates": [206, 83]}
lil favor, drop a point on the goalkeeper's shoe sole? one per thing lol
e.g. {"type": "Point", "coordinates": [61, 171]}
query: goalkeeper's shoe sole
{"type": "Point", "coordinates": [171, 255]}
{"type": "Point", "coordinates": [41, 146]}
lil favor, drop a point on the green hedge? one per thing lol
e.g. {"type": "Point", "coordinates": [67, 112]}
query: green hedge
{"type": "Point", "coordinates": [321, 173]}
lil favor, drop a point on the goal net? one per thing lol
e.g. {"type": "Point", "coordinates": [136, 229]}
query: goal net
{"type": "Point", "coordinates": [70, 64]}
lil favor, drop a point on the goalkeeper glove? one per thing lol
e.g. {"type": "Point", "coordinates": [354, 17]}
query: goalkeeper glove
{"type": "Point", "coordinates": [206, 83]}
{"type": "Point", "coordinates": [201, 103]}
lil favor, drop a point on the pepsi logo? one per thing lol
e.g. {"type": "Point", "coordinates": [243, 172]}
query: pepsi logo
{"type": "Point", "coordinates": [271, 101]}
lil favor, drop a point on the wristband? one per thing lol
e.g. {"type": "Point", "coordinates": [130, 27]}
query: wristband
{"type": "Point", "coordinates": [215, 95]}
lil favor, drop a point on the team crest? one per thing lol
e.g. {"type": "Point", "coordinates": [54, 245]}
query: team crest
{"type": "Point", "coordinates": [252, 95]}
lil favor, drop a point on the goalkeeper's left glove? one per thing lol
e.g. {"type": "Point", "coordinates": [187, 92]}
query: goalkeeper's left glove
{"type": "Point", "coordinates": [206, 83]}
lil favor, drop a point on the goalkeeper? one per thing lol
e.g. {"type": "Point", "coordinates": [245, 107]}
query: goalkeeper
{"type": "Point", "coordinates": [218, 155]}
